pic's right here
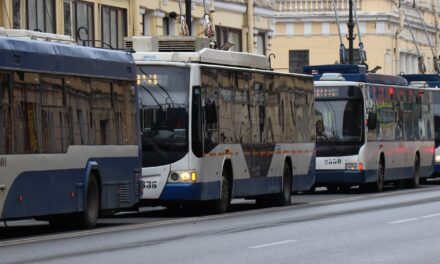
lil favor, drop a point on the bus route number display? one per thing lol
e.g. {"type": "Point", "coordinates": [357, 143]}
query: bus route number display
{"type": "Point", "coordinates": [326, 92]}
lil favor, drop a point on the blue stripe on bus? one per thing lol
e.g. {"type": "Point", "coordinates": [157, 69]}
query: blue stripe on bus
{"type": "Point", "coordinates": [48, 192]}
{"type": "Point", "coordinates": [241, 188]}
{"type": "Point", "coordinates": [360, 177]}
{"type": "Point", "coordinates": [305, 182]}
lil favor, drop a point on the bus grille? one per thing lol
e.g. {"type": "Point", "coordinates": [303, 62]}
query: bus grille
{"type": "Point", "coordinates": [124, 193]}
{"type": "Point", "coordinates": [176, 46]}
{"type": "Point", "coordinates": [137, 185]}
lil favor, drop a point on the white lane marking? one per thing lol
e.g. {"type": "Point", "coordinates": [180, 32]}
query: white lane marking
{"type": "Point", "coordinates": [273, 244]}
{"type": "Point", "coordinates": [430, 216]}
{"type": "Point", "coordinates": [404, 220]}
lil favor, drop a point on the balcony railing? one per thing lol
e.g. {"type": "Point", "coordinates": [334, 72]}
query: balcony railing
{"type": "Point", "coordinates": [286, 7]}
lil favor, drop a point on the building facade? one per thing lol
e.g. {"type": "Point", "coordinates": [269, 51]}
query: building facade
{"type": "Point", "coordinates": [307, 33]}
{"type": "Point", "coordinates": [106, 22]}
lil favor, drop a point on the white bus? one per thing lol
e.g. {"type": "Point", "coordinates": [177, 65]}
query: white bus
{"type": "Point", "coordinates": [371, 129]}
{"type": "Point", "coordinates": [431, 82]}
{"type": "Point", "coordinates": [219, 124]}
{"type": "Point", "coordinates": [68, 141]}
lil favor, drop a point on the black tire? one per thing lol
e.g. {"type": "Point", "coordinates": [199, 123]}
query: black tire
{"type": "Point", "coordinates": [84, 219]}
{"type": "Point", "coordinates": [221, 205]}
{"type": "Point", "coordinates": [88, 217]}
{"type": "Point", "coordinates": [377, 186]}
{"type": "Point", "coordinates": [285, 196]}
{"type": "Point", "coordinates": [332, 188]}
{"type": "Point", "coordinates": [280, 199]}
{"type": "Point", "coordinates": [415, 181]}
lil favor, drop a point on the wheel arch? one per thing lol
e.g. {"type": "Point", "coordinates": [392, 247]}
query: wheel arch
{"type": "Point", "coordinates": [92, 170]}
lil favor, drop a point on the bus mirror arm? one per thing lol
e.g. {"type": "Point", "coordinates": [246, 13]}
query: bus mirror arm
{"type": "Point", "coordinates": [372, 121]}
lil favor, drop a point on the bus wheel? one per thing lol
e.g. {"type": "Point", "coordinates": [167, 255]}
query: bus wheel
{"type": "Point", "coordinates": [284, 197]}
{"type": "Point", "coordinates": [415, 181]}
{"type": "Point", "coordinates": [380, 180]}
{"type": "Point", "coordinates": [221, 206]}
{"type": "Point", "coordinates": [88, 218]}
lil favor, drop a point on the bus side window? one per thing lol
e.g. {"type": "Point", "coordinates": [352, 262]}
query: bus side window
{"type": "Point", "coordinates": [197, 136]}
{"type": "Point", "coordinates": [5, 115]}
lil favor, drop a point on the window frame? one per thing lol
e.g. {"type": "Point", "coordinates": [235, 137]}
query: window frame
{"type": "Point", "coordinates": [54, 18]}
{"type": "Point", "coordinates": [125, 25]}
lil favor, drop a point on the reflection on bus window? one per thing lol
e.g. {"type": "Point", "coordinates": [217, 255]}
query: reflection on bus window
{"type": "Point", "coordinates": [330, 127]}
{"type": "Point", "coordinates": [163, 95]}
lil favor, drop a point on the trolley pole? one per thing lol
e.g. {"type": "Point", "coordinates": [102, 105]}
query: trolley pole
{"type": "Point", "coordinates": [188, 15]}
{"type": "Point", "coordinates": [350, 37]}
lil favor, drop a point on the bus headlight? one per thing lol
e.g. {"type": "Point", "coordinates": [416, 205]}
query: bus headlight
{"type": "Point", "coordinates": [354, 166]}
{"type": "Point", "coordinates": [351, 166]}
{"type": "Point", "coordinates": [182, 176]}
{"type": "Point", "coordinates": [437, 158]}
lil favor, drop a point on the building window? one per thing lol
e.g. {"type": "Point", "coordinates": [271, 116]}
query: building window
{"type": "Point", "coordinates": [307, 29]}
{"type": "Point", "coordinates": [78, 21]}
{"type": "Point", "coordinates": [297, 60]}
{"type": "Point", "coordinates": [114, 26]}
{"type": "Point", "coordinates": [16, 13]}
{"type": "Point", "coordinates": [408, 63]}
{"type": "Point", "coordinates": [225, 35]}
{"type": "Point", "coordinates": [169, 26]}
{"type": "Point", "coordinates": [290, 29]}
{"type": "Point", "coordinates": [261, 43]}
{"type": "Point", "coordinates": [40, 15]}
{"type": "Point", "coordinates": [325, 28]}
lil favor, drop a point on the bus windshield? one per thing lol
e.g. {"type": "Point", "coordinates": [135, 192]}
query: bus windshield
{"type": "Point", "coordinates": [339, 121]}
{"type": "Point", "coordinates": [163, 96]}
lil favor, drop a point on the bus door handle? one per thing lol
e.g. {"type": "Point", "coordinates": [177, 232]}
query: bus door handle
{"type": "Point", "coordinates": [2, 187]}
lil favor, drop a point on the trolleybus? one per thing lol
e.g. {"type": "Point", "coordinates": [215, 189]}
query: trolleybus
{"type": "Point", "coordinates": [371, 128]}
{"type": "Point", "coordinates": [68, 141]}
{"type": "Point", "coordinates": [430, 82]}
{"type": "Point", "coordinates": [219, 124]}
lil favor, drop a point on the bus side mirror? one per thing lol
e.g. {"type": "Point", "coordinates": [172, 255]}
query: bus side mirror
{"type": "Point", "coordinates": [372, 121]}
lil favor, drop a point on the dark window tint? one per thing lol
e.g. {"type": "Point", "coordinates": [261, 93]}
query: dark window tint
{"type": "Point", "coordinates": [6, 135]}
{"type": "Point", "coordinates": [16, 9]}
{"type": "Point", "coordinates": [297, 60]}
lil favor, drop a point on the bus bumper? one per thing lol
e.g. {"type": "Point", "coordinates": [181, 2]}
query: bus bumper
{"type": "Point", "coordinates": [191, 191]}
{"type": "Point", "coordinates": [437, 168]}
{"type": "Point", "coordinates": [344, 177]}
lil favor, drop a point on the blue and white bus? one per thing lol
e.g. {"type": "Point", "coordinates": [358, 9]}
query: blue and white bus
{"type": "Point", "coordinates": [219, 124]}
{"type": "Point", "coordinates": [68, 143]}
{"type": "Point", "coordinates": [371, 128]}
{"type": "Point", "coordinates": [431, 82]}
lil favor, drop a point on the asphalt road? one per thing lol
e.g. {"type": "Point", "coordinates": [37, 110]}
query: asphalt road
{"type": "Point", "coordinates": [392, 227]}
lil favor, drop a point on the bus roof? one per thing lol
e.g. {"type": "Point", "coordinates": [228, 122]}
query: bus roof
{"type": "Point", "coordinates": [353, 73]}
{"type": "Point", "coordinates": [208, 56]}
{"type": "Point", "coordinates": [57, 58]}
{"type": "Point", "coordinates": [431, 80]}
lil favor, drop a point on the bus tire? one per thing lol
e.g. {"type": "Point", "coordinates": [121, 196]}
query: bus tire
{"type": "Point", "coordinates": [88, 217]}
{"type": "Point", "coordinates": [280, 199]}
{"type": "Point", "coordinates": [221, 205]}
{"type": "Point", "coordinates": [415, 181]}
{"type": "Point", "coordinates": [285, 196]}
{"type": "Point", "coordinates": [377, 186]}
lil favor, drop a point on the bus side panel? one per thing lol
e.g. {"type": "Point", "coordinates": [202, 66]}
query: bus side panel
{"type": "Point", "coordinates": [39, 193]}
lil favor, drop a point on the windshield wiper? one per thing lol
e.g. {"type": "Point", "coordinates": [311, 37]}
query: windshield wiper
{"type": "Point", "coordinates": [158, 85]}
{"type": "Point", "coordinates": [152, 96]}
